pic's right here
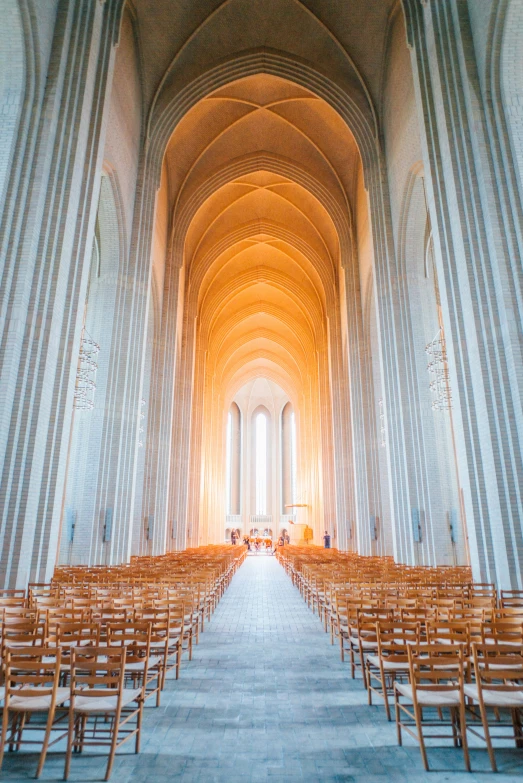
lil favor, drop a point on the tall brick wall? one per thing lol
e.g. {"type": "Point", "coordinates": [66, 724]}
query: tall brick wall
{"type": "Point", "coordinates": [12, 84]}
{"type": "Point", "coordinates": [99, 461]}
{"type": "Point", "coordinates": [511, 66]}
{"type": "Point", "coordinates": [47, 237]}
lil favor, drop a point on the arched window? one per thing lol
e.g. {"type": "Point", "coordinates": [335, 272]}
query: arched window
{"type": "Point", "coordinates": [293, 458]}
{"type": "Point", "coordinates": [261, 462]}
{"type": "Point", "coordinates": [233, 441]}
{"type": "Point", "coordinates": [228, 473]}
{"type": "Point", "coordinates": [289, 458]}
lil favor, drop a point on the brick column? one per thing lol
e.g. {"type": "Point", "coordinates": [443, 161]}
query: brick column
{"type": "Point", "coordinates": [479, 266]}
{"type": "Point", "coordinates": [47, 264]}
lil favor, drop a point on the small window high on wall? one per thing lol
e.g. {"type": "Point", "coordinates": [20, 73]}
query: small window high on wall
{"type": "Point", "coordinates": [261, 462]}
{"type": "Point", "coordinates": [289, 458]}
{"type": "Point", "coordinates": [228, 450]}
{"type": "Point", "coordinates": [233, 461]}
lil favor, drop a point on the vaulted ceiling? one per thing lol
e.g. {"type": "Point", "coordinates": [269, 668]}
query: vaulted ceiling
{"type": "Point", "coordinates": [259, 173]}
{"type": "Point", "coordinates": [259, 111]}
{"type": "Point", "coordinates": [344, 36]}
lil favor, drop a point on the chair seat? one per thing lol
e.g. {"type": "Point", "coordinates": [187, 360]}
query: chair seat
{"type": "Point", "coordinates": [429, 698]}
{"type": "Point", "coordinates": [496, 698]}
{"type": "Point", "coordinates": [37, 703]}
{"type": "Point", "coordinates": [367, 645]}
{"type": "Point", "coordinates": [137, 666]}
{"type": "Point", "coordinates": [450, 665]}
{"type": "Point", "coordinates": [498, 666]}
{"type": "Point", "coordinates": [392, 666]}
{"type": "Point", "coordinates": [159, 645]}
{"type": "Point", "coordinates": [504, 642]}
{"type": "Point", "coordinates": [105, 703]}
{"type": "Point", "coordinates": [446, 640]}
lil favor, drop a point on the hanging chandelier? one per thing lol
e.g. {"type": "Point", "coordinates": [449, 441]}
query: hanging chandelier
{"type": "Point", "coordinates": [141, 429]}
{"type": "Point", "coordinates": [382, 424]}
{"type": "Point", "coordinates": [85, 385]}
{"type": "Point", "coordinates": [439, 371]}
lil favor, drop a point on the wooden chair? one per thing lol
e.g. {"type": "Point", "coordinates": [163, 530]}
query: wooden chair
{"type": "Point", "coordinates": [345, 622]}
{"type": "Point", "coordinates": [503, 632]}
{"type": "Point", "coordinates": [449, 633]}
{"type": "Point", "coordinates": [509, 613]}
{"type": "Point", "coordinates": [436, 682]}
{"type": "Point", "coordinates": [16, 614]}
{"type": "Point", "coordinates": [391, 663]}
{"type": "Point", "coordinates": [498, 685]}
{"type": "Point", "coordinates": [31, 686]}
{"type": "Point", "coordinates": [160, 622]}
{"type": "Point", "coordinates": [366, 640]}
{"type": "Point", "coordinates": [74, 634]}
{"type": "Point", "coordinates": [511, 599]}
{"type": "Point", "coordinates": [421, 615]}
{"type": "Point", "coordinates": [141, 668]}
{"type": "Point", "coordinates": [98, 691]}
{"type": "Point", "coordinates": [60, 615]}
{"type": "Point", "coordinates": [26, 633]}
{"type": "Point", "coordinates": [180, 637]}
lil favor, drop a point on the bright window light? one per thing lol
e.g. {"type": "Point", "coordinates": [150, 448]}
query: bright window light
{"type": "Point", "coordinates": [293, 458]}
{"type": "Point", "coordinates": [261, 464]}
{"type": "Point", "coordinates": [228, 462]}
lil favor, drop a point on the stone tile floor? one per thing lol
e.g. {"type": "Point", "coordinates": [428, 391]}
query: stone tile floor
{"type": "Point", "coordinates": [266, 698]}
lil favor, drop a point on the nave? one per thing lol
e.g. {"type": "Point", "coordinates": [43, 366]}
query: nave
{"type": "Point", "coordinates": [266, 697]}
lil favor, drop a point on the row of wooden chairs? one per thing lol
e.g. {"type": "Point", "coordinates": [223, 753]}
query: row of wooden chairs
{"type": "Point", "coordinates": [86, 652]}
{"type": "Point", "coordinates": [428, 643]}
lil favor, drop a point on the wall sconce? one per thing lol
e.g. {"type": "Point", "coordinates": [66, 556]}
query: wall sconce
{"type": "Point", "coordinates": [85, 385]}
{"type": "Point", "coordinates": [439, 370]}
{"type": "Point", "coordinates": [382, 424]}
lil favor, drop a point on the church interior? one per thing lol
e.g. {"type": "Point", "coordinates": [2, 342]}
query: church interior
{"type": "Point", "coordinates": [261, 350]}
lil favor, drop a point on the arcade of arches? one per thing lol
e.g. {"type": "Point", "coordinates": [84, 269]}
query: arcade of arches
{"type": "Point", "coordinates": [261, 269]}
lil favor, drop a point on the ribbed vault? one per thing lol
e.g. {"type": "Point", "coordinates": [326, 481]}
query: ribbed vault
{"type": "Point", "coordinates": [261, 176]}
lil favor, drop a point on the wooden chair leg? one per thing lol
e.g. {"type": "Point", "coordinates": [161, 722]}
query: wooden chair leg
{"type": "Point", "coordinates": [179, 651]}
{"type": "Point", "coordinates": [45, 745]}
{"type": "Point", "coordinates": [363, 672]}
{"type": "Point", "coordinates": [484, 721]}
{"type": "Point", "coordinates": [83, 726]}
{"type": "Point", "coordinates": [114, 742]}
{"type": "Point", "coordinates": [70, 735]}
{"type": "Point", "coordinates": [418, 719]}
{"type": "Point", "coordinates": [518, 731]}
{"type": "Point", "coordinates": [454, 726]}
{"type": "Point", "coordinates": [15, 719]}
{"type": "Point", "coordinates": [398, 722]}
{"type": "Point", "coordinates": [19, 729]}
{"type": "Point", "coordinates": [385, 694]}
{"type": "Point", "coordinates": [159, 686]}
{"type": "Point", "coordinates": [139, 728]}
{"type": "Point", "coordinates": [463, 734]}
{"type": "Point", "coordinates": [3, 735]}
{"type": "Point", "coordinates": [352, 661]}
